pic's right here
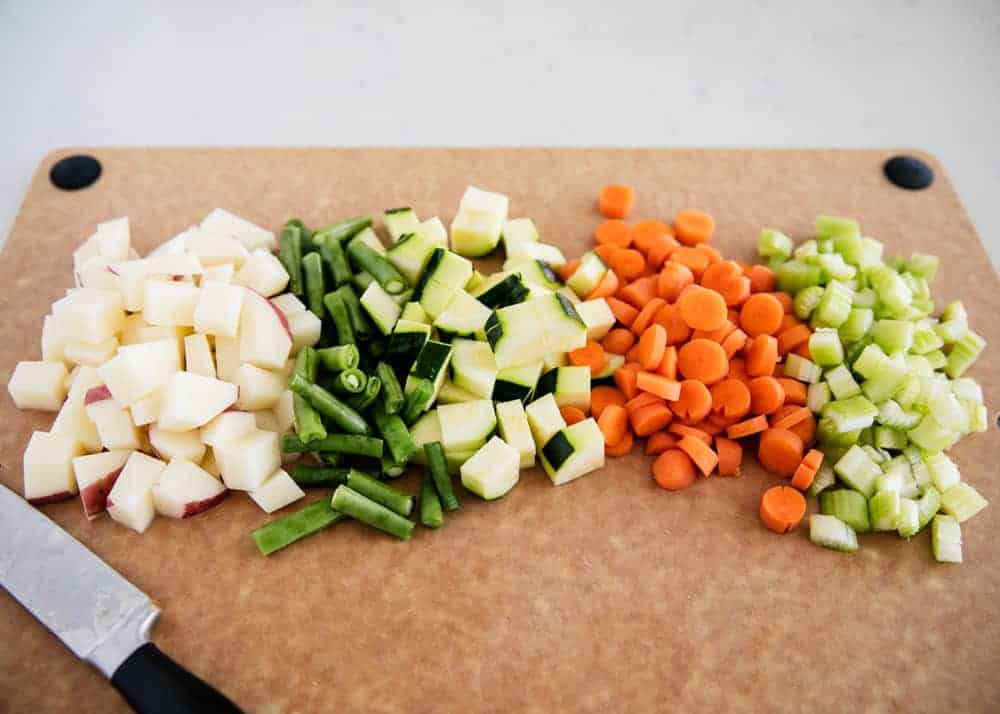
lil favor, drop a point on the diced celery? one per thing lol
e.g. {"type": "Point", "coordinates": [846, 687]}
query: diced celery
{"type": "Point", "coordinates": [775, 262]}
{"type": "Point", "coordinates": [948, 412]}
{"type": "Point", "coordinates": [817, 395]}
{"type": "Point", "coordinates": [867, 438]}
{"type": "Point", "coordinates": [842, 384]}
{"type": "Point", "coordinates": [885, 379]}
{"type": "Point", "coordinates": [925, 339]}
{"type": "Point", "coordinates": [944, 472]}
{"type": "Point", "coordinates": [908, 392]}
{"type": "Point", "coordinates": [853, 350]}
{"type": "Point", "coordinates": [871, 253]}
{"type": "Point", "coordinates": [858, 323]}
{"type": "Point", "coordinates": [928, 504]}
{"type": "Point", "coordinates": [898, 471]}
{"type": "Point", "coordinates": [954, 322]}
{"type": "Point", "coordinates": [936, 359]}
{"type": "Point", "coordinates": [946, 540]}
{"type": "Point", "coordinates": [825, 347]}
{"type": "Point", "coordinates": [835, 306]}
{"type": "Point", "coordinates": [857, 470]}
{"type": "Point", "coordinates": [831, 532]}
{"type": "Point", "coordinates": [890, 414]}
{"type": "Point", "coordinates": [773, 243]}
{"type": "Point", "coordinates": [893, 335]}
{"type": "Point", "coordinates": [886, 437]}
{"type": "Point", "coordinates": [849, 506]}
{"type": "Point", "coordinates": [824, 478]}
{"type": "Point", "coordinates": [908, 520]}
{"type": "Point", "coordinates": [963, 353]}
{"type": "Point", "coordinates": [919, 309]}
{"type": "Point", "coordinates": [892, 480]}
{"type": "Point", "coordinates": [865, 298]}
{"type": "Point", "coordinates": [829, 437]}
{"type": "Point", "coordinates": [917, 285]}
{"type": "Point", "coordinates": [967, 388]}
{"type": "Point", "coordinates": [879, 457]}
{"type": "Point", "coordinates": [930, 435]}
{"type": "Point", "coordinates": [825, 245]}
{"type": "Point", "coordinates": [806, 301]}
{"type": "Point", "coordinates": [883, 509]}
{"type": "Point", "coordinates": [962, 502]}
{"type": "Point", "coordinates": [806, 249]}
{"type": "Point", "coordinates": [978, 416]}
{"type": "Point", "coordinates": [833, 226]}
{"type": "Point", "coordinates": [869, 361]}
{"type": "Point", "coordinates": [889, 287]}
{"type": "Point", "coordinates": [931, 385]}
{"type": "Point", "coordinates": [850, 414]}
{"type": "Point", "coordinates": [920, 472]}
{"type": "Point", "coordinates": [795, 275]}
{"type": "Point", "coordinates": [834, 267]}
{"type": "Point", "coordinates": [798, 367]}
{"type": "Point", "coordinates": [924, 265]}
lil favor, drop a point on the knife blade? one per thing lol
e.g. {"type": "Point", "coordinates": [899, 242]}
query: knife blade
{"type": "Point", "coordinates": [99, 615]}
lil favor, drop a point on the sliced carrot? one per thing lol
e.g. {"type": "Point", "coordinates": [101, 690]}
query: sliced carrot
{"type": "Point", "coordinates": [736, 291]}
{"type": "Point", "coordinates": [806, 429]}
{"type": "Point", "coordinates": [718, 274]}
{"type": "Point", "coordinates": [633, 355]}
{"type": "Point", "coordinates": [645, 317]}
{"type": "Point", "coordinates": [791, 338]}
{"type": "Point", "coordinates": [788, 421]}
{"type": "Point", "coordinates": [766, 395]}
{"type": "Point", "coordinates": [623, 447]}
{"type": "Point", "coordinates": [795, 391]}
{"type": "Point", "coordinates": [673, 470]}
{"type": "Point", "coordinates": [785, 299]}
{"type": "Point", "coordinates": [761, 315]}
{"type": "Point", "coordinates": [803, 350]}
{"type": "Point", "coordinates": [711, 253]}
{"type": "Point", "coordinates": [694, 227]}
{"type": "Point", "coordinates": [618, 341]}
{"type": "Point", "coordinates": [625, 379]}
{"type": "Point", "coordinates": [652, 345]}
{"type": "Point", "coordinates": [780, 413]}
{"type": "Point", "coordinates": [622, 311]}
{"type": "Point", "coordinates": [788, 322]}
{"type": "Point", "coordinates": [762, 279]}
{"type": "Point", "coordinates": [659, 442]}
{"type": "Point", "coordinates": [703, 360]}
{"type": "Point", "coordinates": [616, 200]}
{"type": "Point", "coordinates": [606, 287]}
{"type": "Point", "coordinates": [640, 400]}
{"type": "Point", "coordinates": [590, 355]}
{"type": "Point", "coordinates": [722, 420]}
{"type": "Point", "coordinates": [601, 396]}
{"type": "Point", "coordinates": [803, 476]}
{"type": "Point", "coordinates": [565, 272]}
{"type": "Point", "coordinates": [734, 342]}
{"type": "Point", "coordinates": [733, 316]}
{"type": "Point", "coordinates": [614, 232]}
{"type": "Point", "coordinates": [731, 398]}
{"type": "Point", "coordinates": [696, 260]}
{"type": "Point", "coordinates": [813, 459]}
{"type": "Point", "coordinates": [709, 427]}
{"type": "Point", "coordinates": [572, 415]}
{"type": "Point", "coordinates": [605, 251]}
{"type": "Point", "coordinates": [613, 424]}
{"type": "Point", "coordinates": [778, 371]}
{"type": "Point", "coordinates": [650, 419]}
{"type": "Point", "coordinates": [730, 456]}
{"type": "Point", "coordinates": [738, 369]}
{"type": "Point", "coordinates": [700, 452]}
{"type": "Point", "coordinates": [639, 292]}
{"type": "Point", "coordinates": [693, 403]}
{"type": "Point", "coordinates": [782, 508]}
{"type": "Point", "coordinates": [682, 430]}
{"type": "Point", "coordinates": [761, 355]}
{"type": "Point", "coordinates": [673, 278]}
{"type": "Point", "coordinates": [754, 425]}
{"type": "Point", "coordinates": [779, 451]}
{"type": "Point", "coordinates": [677, 330]}
{"type": "Point", "coordinates": [645, 233]}
{"type": "Point", "coordinates": [659, 385]}
{"type": "Point", "coordinates": [702, 309]}
{"type": "Point", "coordinates": [715, 335]}
{"type": "Point", "coordinates": [628, 263]}
{"type": "Point", "coordinates": [659, 250]}
{"type": "Point", "coordinates": [668, 365]}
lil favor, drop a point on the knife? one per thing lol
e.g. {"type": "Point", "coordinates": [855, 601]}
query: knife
{"type": "Point", "coordinates": [103, 618]}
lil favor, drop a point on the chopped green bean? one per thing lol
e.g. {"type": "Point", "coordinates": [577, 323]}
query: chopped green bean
{"type": "Point", "coordinates": [308, 424]}
{"type": "Point", "coordinates": [362, 401]}
{"type": "Point", "coordinates": [342, 230]}
{"type": "Point", "coordinates": [392, 394]}
{"type": "Point", "coordinates": [395, 434]}
{"type": "Point", "coordinates": [437, 465]}
{"type": "Point", "coordinates": [286, 530]}
{"type": "Point", "coordinates": [335, 258]}
{"type": "Point", "coordinates": [315, 282]}
{"type": "Point", "coordinates": [365, 258]}
{"type": "Point", "coordinates": [390, 469]}
{"type": "Point", "coordinates": [430, 504]}
{"type": "Point", "coordinates": [417, 400]}
{"type": "Point", "coordinates": [307, 364]}
{"type": "Point", "coordinates": [335, 443]}
{"type": "Point", "coordinates": [318, 476]}
{"type": "Point", "coordinates": [291, 256]}
{"type": "Point", "coordinates": [360, 322]}
{"type": "Point", "coordinates": [341, 320]}
{"type": "Point", "coordinates": [329, 406]}
{"type": "Point", "coordinates": [362, 508]}
{"type": "Point", "coordinates": [307, 235]}
{"type": "Point", "coordinates": [339, 358]}
{"type": "Point", "coordinates": [362, 280]}
{"type": "Point", "coordinates": [350, 382]}
{"type": "Point", "coordinates": [391, 498]}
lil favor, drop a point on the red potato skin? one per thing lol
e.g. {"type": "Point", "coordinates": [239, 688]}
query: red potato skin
{"type": "Point", "coordinates": [196, 507]}
{"type": "Point", "coordinates": [97, 394]}
{"type": "Point", "coordinates": [281, 316]}
{"type": "Point", "coordinates": [51, 498]}
{"type": "Point", "coordinates": [95, 496]}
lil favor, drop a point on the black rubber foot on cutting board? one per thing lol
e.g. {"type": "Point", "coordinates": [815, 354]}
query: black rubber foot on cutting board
{"type": "Point", "coordinates": [75, 172]}
{"type": "Point", "coordinates": [908, 172]}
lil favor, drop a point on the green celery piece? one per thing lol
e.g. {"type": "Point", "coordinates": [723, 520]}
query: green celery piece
{"type": "Point", "coordinates": [842, 383]}
{"type": "Point", "coordinates": [773, 243]}
{"type": "Point", "coordinates": [858, 323]}
{"type": "Point", "coordinates": [930, 435]}
{"type": "Point", "coordinates": [794, 275]}
{"type": "Point", "coordinates": [893, 335]}
{"type": "Point", "coordinates": [826, 348]}
{"type": "Point", "coordinates": [978, 416]}
{"type": "Point", "coordinates": [946, 540]}
{"type": "Point", "coordinates": [963, 353]}
{"type": "Point", "coordinates": [806, 249]}
{"type": "Point", "coordinates": [928, 505]}
{"type": "Point", "coordinates": [857, 470]}
{"type": "Point", "coordinates": [831, 532]}
{"type": "Point", "coordinates": [892, 415]}
{"type": "Point", "coordinates": [923, 265]}
{"type": "Point", "coordinates": [908, 520]}
{"type": "Point", "coordinates": [824, 479]}
{"type": "Point", "coordinates": [835, 306]}
{"type": "Point", "coordinates": [851, 414]}
{"type": "Point", "coordinates": [886, 437]}
{"type": "Point", "coordinates": [806, 301]}
{"type": "Point", "coordinates": [817, 395]}
{"type": "Point", "coordinates": [925, 339]}
{"type": "Point", "coordinates": [869, 361]}
{"type": "Point", "coordinates": [849, 506]}
{"type": "Point", "coordinates": [865, 298]}
{"type": "Point", "coordinates": [967, 388]}
{"type": "Point", "coordinates": [883, 510]}
{"type": "Point", "coordinates": [798, 367]}
{"type": "Point", "coordinates": [944, 472]}
{"type": "Point", "coordinates": [962, 502]}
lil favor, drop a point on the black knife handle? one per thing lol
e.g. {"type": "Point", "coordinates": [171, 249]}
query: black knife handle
{"type": "Point", "coordinates": [154, 684]}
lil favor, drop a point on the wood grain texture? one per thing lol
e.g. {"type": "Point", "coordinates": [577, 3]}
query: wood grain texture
{"type": "Point", "coordinates": [607, 594]}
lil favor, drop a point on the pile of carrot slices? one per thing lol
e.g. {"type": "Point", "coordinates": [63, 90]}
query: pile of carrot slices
{"type": "Point", "coordinates": [704, 339]}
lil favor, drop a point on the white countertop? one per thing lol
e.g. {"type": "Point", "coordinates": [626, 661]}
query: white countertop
{"type": "Point", "coordinates": [891, 73]}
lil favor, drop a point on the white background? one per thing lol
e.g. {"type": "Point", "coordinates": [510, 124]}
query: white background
{"type": "Point", "coordinates": [767, 73]}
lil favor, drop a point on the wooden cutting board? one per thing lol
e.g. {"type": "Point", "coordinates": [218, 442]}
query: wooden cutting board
{"type": "Point", "coordinates": [604, 595]}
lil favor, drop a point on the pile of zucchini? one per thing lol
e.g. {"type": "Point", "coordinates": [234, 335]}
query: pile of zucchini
{"type": "Point", "coordinates": [422, 359]}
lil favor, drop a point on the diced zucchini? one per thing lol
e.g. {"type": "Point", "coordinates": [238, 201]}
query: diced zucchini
{"type": "Point", "coordinates": [569, 385]}
{"type": "Point", "coordinates": [467, 425]}
{"type": "Point", "coordinates": [414, 313]}
{"type": "Point", "coordinates": [573, 451]}
{"type": "Point", "coordinates": [475, 233]}
{"type": "Point", "coordinates": [380, 306]}
{"type": "Point", "coordinates": [501, 290]}
{"type": "Point", "coordinates": [473, 367]}
{"type": "Point", "coordinates": [410, 255]}
{"type": "Point", "coordinates": [544, 419]}
{"type": "Point", "coordinates": [568, 293]}
{"type": "Point", "coordinates": [400, 221]}
{"type": "Point", "coordinates": [445, 273]}
{"type": "Point", "coordinates": [493, 470]}
{"type": "Point", "coordinates": [946, 540]}
{"type": "Point", "coordinates": [562, 326]}
{"type": "Point", "coordinates": [597, 317]}
{"type": "Point", "coordinates": [434, 229]}
{"type": "Point", "coordinates": [534, 271]}
{"type": "Point", "coordinates": [463, 317]}
{"type": "Point", "coordinates": [587, 275]}
{"type": "Point", "coordinates": [405, 343]}
{"type": "Point", "coordinates": [516, 382]}
{"type": "Point", "coordinates": [513, 426]}
{"type": "Point", "coordinates": [425, 430]}
{"type": "Point", "coordinates": [370, 238]}
{"type": "Point", "coordinates": [519, 230]}
{"type": "Point", "coordinates": [831, 532]}
{"type": "Point", "coordinates": [554, 359]}
{"type": "Point", "coordinates": [450, 393]}
{"type": "Point", "coordinates": [614, 363]}
{"type": "Point", "coordinates": [476, 199]}
{"type": "Point", "coordinates": [454, 459]}
{"type": "Point", "coordinates": [515, 335]}
{"type": "Point", "coordinates": [431, 365]}
{"type": "Point", "coordinates": [537, 251]}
